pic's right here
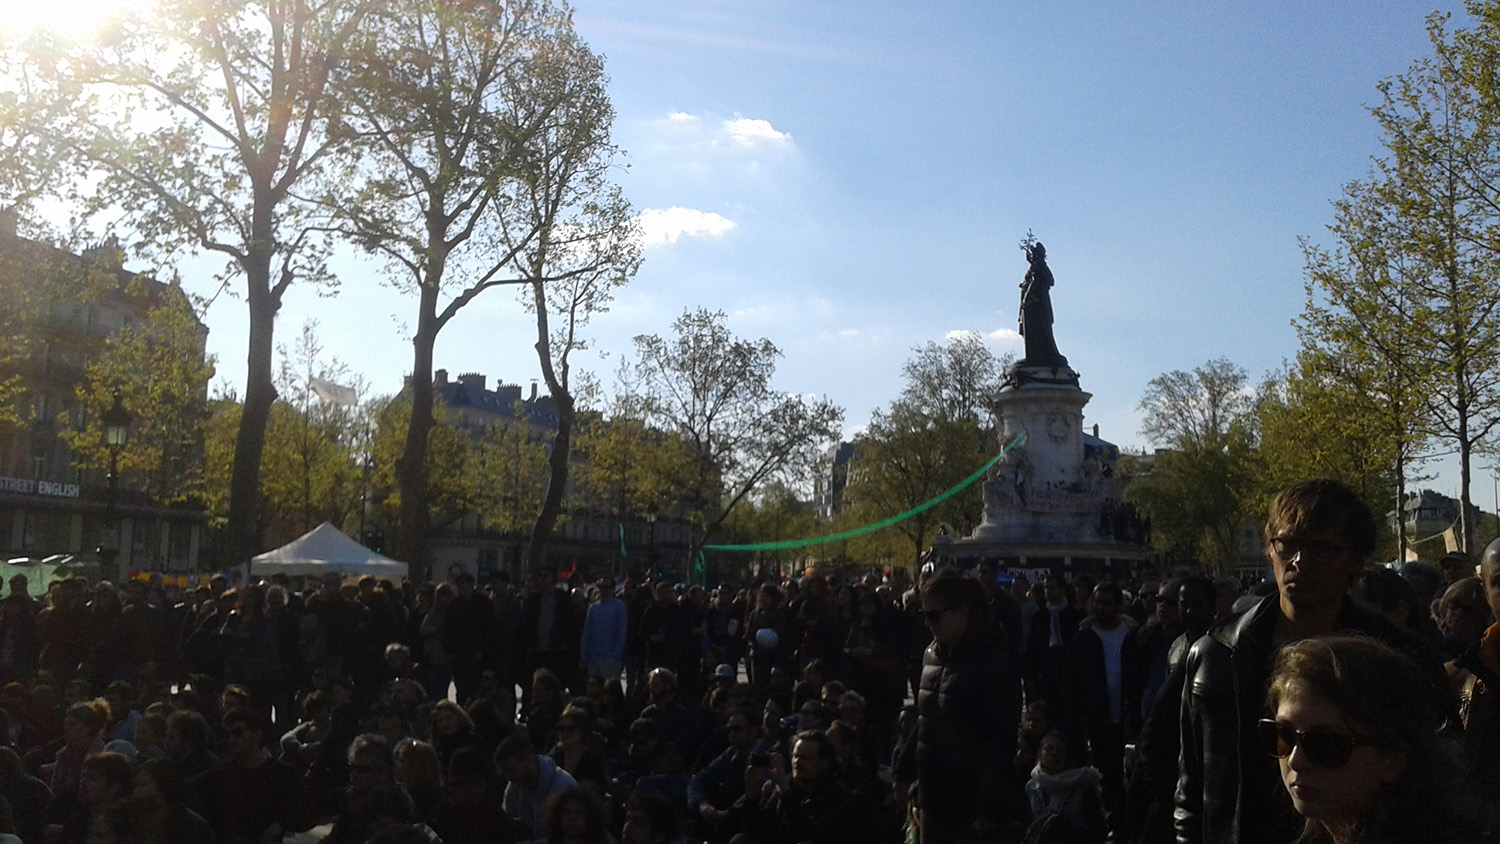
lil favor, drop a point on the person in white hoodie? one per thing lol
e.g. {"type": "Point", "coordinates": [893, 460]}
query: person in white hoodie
{"type": "Point", "coordinates": [1065, 799]}
{"type": "Point", "coordinates": [531, 780]}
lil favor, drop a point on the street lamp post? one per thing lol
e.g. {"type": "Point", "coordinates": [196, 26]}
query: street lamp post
{"type": "Point", "coordinates": [651, 542]}
{"type": "Point", "coordinates": [116, 432]}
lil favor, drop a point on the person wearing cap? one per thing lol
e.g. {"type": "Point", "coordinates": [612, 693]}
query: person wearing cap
{"type": "Point", "coordinates": [605, 626]}
{"type": "Point", "coordinates": [1319, 535]}
{"type": "Point", "coordinates": [1456, 566]}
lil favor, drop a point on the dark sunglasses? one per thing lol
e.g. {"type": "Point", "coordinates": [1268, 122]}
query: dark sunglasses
{"type": "Point", "coordinates": [1324, 747]}
{"type": "Point", "coordinates": [1287, 547]}
{"type": "Point", "coordinates": [933, 616]}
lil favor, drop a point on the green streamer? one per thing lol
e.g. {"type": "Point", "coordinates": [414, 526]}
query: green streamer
{"type": "Point", "coordinates": [622, 539]}
{"type": "Point", "coordinates": [883, 523]}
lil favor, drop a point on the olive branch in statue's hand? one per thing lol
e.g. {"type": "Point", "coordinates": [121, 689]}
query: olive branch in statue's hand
{"type": "Point", "coordinates": [1027, 243]}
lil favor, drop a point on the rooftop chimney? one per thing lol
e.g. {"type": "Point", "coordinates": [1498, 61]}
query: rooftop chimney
{"type": "Point", "coordinates": [472, 380]}
{"type": "Point", "coordinates": [533, 390]}
{"type": "Point", "coordinates": [440, 377]}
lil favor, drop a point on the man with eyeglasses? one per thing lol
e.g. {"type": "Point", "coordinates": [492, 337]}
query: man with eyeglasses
{"type": "Point", "coordinates": [1319, 535]}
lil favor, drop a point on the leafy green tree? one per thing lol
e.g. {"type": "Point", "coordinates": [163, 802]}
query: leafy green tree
{"type": "Point", "coordinates": [771, 515]}
{"type": "Point", "coordinates": [933, 436]}
{"type": "Point", "coordinates": [483, 135]}
{"type": "Point", "coordinates": [713, 390]}
{"type": "Point", "coordinates": [158, 369]}
{"type": "Point", "coordinates": [205, 123]}
{"type": "Point", "coordinates": [1199, 491]}
{"type": "Point", "coordinates": [450, 492]}
{"type": "Point", "coordinates": [1361, 390]}
{"type": "Point", "coordinates": [1316, 421]}
{"type": "Point", "coordinates": [1436, 225]}
{"type": "Point", "coordinates": [312, 470]}
{"type": "Point", "coordinates": [510, 473]}
{"type": "Point", "coordinates": [630, 470]}
{"type": "Point", "coordinates": [34, 102]}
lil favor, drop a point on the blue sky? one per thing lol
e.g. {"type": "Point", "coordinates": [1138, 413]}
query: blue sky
{"type": "Point", "coordinates": [851, 180]}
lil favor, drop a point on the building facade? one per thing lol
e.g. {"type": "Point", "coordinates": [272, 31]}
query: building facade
{"type": "Point", "coordinates": [56, 311]}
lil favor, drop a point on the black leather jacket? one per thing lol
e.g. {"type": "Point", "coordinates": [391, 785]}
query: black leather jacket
{"type": "Point", "coordinates": [1229, 792]}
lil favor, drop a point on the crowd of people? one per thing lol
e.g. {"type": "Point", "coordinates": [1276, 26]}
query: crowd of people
{"type": "Point", "coordinates": [1336, 703]}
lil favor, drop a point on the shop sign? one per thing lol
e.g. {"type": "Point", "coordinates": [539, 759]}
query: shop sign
{"type": "Point", "coordinates": [55, 489]}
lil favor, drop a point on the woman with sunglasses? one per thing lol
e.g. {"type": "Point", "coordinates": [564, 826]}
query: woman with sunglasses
{"type": "Point", "coordinates": [968, 712]}
{"type": "Point", "coordinates": [1357, 735]}
{"type": "Point", "coordinates": [578, 750]}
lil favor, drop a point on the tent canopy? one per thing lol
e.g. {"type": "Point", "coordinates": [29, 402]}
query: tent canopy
{"type": "Point", "coordinates": [322, 550]}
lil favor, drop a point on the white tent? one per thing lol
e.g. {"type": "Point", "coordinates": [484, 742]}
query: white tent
{"type": "Point", "coordinates": [325, 549]}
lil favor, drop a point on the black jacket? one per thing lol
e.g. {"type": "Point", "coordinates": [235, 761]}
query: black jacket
{"type": "Point", "coordinates": [1087, 698]}
{"type": "Point", "coordinates": [1229, 792]}
{"type": "Point", "coordinates": [968, 712]}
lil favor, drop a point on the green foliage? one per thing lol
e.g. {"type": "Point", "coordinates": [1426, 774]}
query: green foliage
{"type": "Point", "coordinates": [1410, 294]}
{"type": "Point", "coordinates": [774, 513]}
{"type": "Point", "coordinates": [630, 470]}
{"type": "Point", "coordinates": [906, 458]}
{"type": "Point", "coordinates": [158, 368]}
{"type": "Point", "coordinates": [1320, 418]}
{"type": "Point", "coordinates": [1199, 489]}
{"type": "Point", "coordinates": [713, 390]}
{"type": "Point", "coordinates": [510, 476]}
{"type": "Point", "coordinates": [451, 491]}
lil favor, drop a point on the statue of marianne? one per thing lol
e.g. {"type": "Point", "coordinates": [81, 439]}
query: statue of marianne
{"type": "Point", "coordinates": [1036, 311]}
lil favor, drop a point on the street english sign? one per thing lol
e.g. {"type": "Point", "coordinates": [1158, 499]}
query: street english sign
{"type": "Point", "coordinates": [56, 489]}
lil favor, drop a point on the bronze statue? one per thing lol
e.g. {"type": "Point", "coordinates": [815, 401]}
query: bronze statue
{"type": "Point", "coordinates": [1036, 311]}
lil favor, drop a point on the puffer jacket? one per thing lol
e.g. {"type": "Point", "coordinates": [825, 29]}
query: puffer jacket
{"type": "Point", "coordinates": [968, 712]}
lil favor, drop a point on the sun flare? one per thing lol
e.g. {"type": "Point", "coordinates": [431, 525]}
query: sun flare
{"type": "Point", "coordinates": [75, 18]}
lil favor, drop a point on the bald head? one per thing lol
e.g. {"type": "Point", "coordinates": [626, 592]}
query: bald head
{"type": "Point", "coordinates": [1489, 575]}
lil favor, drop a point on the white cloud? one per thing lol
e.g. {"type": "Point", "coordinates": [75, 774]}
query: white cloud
{"type": "Point", "coordinates": [682, 118]}
{"type": "Point", "coordinates": [1004, 336]}
{"type": "Point", "coordinates": [848, 332]}
{"type": "Point", "coordinates": [749, 131]}
{"type": "Point", "coordinates": [662, 227]}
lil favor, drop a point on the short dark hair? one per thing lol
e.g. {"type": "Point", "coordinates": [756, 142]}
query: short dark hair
{"type": "Point", "coordinates": [826, 751]}
{"type": "Point", "coordinates": [244, 716]}
{"type": "Point", "coordinates": [658, 811]}
{"type": "Point", "coordinates": [192, 727]}
{"type": "Point", "coordinates": [953, 590]}
{"type": "Point", "coordinates": [515, 746]}
{"type": "Point", "coordinates": [115, 769]}
{"type": "Point", "coordinates": [1386, 589]}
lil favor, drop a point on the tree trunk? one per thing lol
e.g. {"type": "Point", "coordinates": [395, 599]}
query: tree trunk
{"type": "Point", "coordinates": [1400, 505]}
{"type": "Point", "coordinates": [557, 481]}
{"type": "Point", "coordinates": [562, 444]}
{"type": "Point", "coordinates": [411, 469]}
{"type": "Point", "coordinates": [243, 528]}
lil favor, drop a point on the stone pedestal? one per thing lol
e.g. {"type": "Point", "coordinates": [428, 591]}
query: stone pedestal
{"type": "Point", "coordinates": [1049, 489]}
